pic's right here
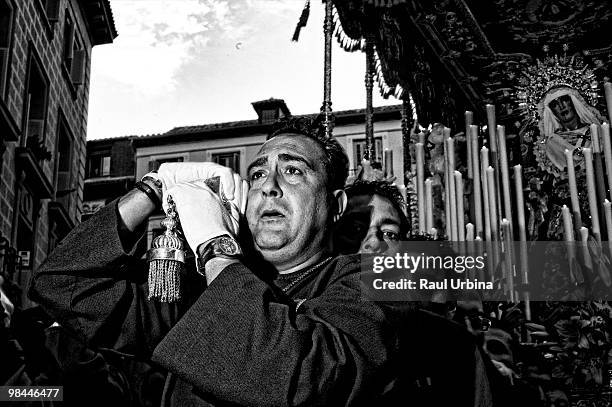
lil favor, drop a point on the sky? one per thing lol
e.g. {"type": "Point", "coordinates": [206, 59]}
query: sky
{"type": "Point", "coordinates": [188, 62]}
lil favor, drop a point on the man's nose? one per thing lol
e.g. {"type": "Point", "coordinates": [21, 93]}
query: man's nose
{"type": "Point", "coordinates": [373, 243]}
{"type": "Point", "coordinates": [270, 187]}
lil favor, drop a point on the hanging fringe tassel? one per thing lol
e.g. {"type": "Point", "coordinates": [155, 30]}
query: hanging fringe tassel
{"type": "Point", "coordinates": [166, 260]}
{"type": "Point", "coordinates": [383, 87]}
{"type": "Point", "coordinates": [346, 42]}
{"type": "Point", "coordinates": [302, 22]}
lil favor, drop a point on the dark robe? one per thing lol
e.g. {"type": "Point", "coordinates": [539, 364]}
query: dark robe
{"type": "Point", "coordinates": [242, 340]}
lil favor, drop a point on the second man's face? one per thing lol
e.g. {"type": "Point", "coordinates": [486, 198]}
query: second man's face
{"type": "Point", "coordinates": [288, 205]}
{"type": "Point", "coordinates": [371, 224]}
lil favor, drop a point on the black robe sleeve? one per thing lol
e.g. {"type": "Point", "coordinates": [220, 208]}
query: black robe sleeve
{"type": "Point", "coordinates": [92, 285]}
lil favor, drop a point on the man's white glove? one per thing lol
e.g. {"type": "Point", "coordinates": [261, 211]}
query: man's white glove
{"type": "Point", "coordinates": [171, 174]}
{"type": "Point", "coordinates": [204, 214]}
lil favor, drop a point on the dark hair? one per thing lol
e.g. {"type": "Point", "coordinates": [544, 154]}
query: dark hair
{"type": "Point", "coordinates": [336, 163]}
{"type": "Point", "coordinates": [386, 190]}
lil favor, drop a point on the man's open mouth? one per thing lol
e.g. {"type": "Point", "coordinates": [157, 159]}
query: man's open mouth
{"type": "Point", "coordinates": [271, 214]}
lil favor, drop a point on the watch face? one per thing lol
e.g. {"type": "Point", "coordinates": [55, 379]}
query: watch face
{"type": "Point", "coordinates": [227, 246]}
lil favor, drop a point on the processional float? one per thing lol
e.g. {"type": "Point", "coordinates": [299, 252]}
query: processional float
{"type": "Point", "coordinates": [493, 212]}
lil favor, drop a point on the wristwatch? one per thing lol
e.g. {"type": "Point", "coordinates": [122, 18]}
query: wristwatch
{"type": "Point", "coordinates": [225, 247]}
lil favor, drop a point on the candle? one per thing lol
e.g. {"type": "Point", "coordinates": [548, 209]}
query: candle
{"type": "Point", "coordinates": [509, 270]}
{"type": "Point", "coordinates": [491, 127]}
{"type": "Point", "coordinates": [568, 228]}
{"type": "Point", "coordinates": [484, 161]}
{"type": "Point", "coordinates": [428, 204]}
{"type": "Point", "coordinates": [469, 232]}
{"type": "Point", "coordinates": [595, 138]}
{"type": "Point", "coordinates": [608, 91]}
{"type": "Point", "coordinates": [388, 163]}
{"type": "Point", "coordinates": [469, 119]}
{"type": "Point", "coordinates": [520, 205]}
{"type": "Point", "coordinates": [571, 178]}
{"type": "Point", "coordinates": [576, 275]}
{"type": "Point", "coordinates": [434, 233]}
{"type": "Point", "coordinates": [607, 149]}
{"type": "Point", "coordinates": [608, 215]}
{"type": "Point", "coordinates": [477, 181]}
{"type": "Point", "coordinates": [492, 204]}
{"type": "Point", "coordinates": [591, 192]}
{"type": "Point", "coordinates": [501, 143]}
{"type": "Point", "coordinates": [422, 137]}
{"type": "Point", "coordinates": [450, 151]}
{"type": "Point", "coordinates": [568, 236]}
{"type": "Point", "coordinates": [420, 155]}
{"type": "Point", "coordinates": [447, 208]}
{"type": "Point", "coordinates": [459, 214]}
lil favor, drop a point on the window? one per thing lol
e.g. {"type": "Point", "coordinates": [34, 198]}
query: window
{"type": "Point", "coordinates": [63, 161]}
{"type": "Point", "coordinates": [359, 149]}
{"type": "Point", "coordinates": [26, 220]}
{"type": "Point", "coordinates": [98, 166]}
{"type": "Point", "coordinates": [154, 164]}
{"type": "Point", "coordinates": [6, 22]}
{"type": "Point", "coordinates": [36, 104]}
{"type": "Point", "coordinates": [74, 53]}
{"type": "Point", "coordinates": [52, 9]}
{"type": "Point", "coordinates": [49, 11]}
{"type": "Point", "coordinates": [230, 159]}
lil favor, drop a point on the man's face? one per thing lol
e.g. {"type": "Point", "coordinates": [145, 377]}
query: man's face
{"type": "Point", "coordinates": [289, 205]}
{"type": "Point", "coordinates": [370, 224]}
{"type": "Point", "coordinates": [563, 108]}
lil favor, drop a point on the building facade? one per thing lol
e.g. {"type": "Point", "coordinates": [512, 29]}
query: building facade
{"type": "Point", "coordinates": [45, 61]}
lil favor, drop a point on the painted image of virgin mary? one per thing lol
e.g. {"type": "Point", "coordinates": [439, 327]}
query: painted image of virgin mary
{"type": "Point", "coordinates": [565, 120]}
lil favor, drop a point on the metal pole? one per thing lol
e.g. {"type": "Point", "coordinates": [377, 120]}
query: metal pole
{"type": "Point", "coordinates": [370, 146]}
{"type": "Point", "coordinates": [326, 109]}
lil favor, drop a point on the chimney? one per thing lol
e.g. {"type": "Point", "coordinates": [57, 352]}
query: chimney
{"type": "Point", "coordinates": [271, 110]}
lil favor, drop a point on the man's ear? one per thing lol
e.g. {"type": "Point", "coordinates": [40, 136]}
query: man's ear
{"type": "Point", "coordinates": [339, 203]}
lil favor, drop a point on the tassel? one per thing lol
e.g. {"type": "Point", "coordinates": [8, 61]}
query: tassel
{"type": "Point", "coordinates": [302, 22]}
{"type": "Point", "coordinates": [166, 260]}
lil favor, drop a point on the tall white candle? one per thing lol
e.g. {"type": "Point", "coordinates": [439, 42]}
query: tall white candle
{"type": "Point", "coordinates": [608, 214]}
{"type": "Point", "coordinates": [595, 138]}
{"type": "Point", "coordinates": [591, 192]}
{"type": "Point", "coordinates": [608, 92]}
{"type": "Point", "coordinates": [607, 149]}
{"type": "Point", "coordinates": [492, 204]}
{"type": "Point", "coordinates": [491, 127]}
{"type": "Point", "coordinates": [509, 270]}
{"type": "Point", "coordinates": [477, 180]}
{"type": "Point", "coordinates": [459, 214]}
{"type": "Point", "coordinates": [571, 179]}
{"type": "Point", "coordinates": [428, 204]}
{"type": "Point", "coordinates": [420, 156]}
{"type": "Point", "coordinates": [520, 204]}
{"type": "Point", "coordinates": [469, 232]}
{"type": "Point", "coordinates": [568, 228]}
{"type": "Point", "coordinates": [484, 162]}
{"type": "Point", "coordinates": [469, 119]}
{"type": "Point", "coordinates": [450, 150]}
{"type": "Point", "coordinates": [503, 157]}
